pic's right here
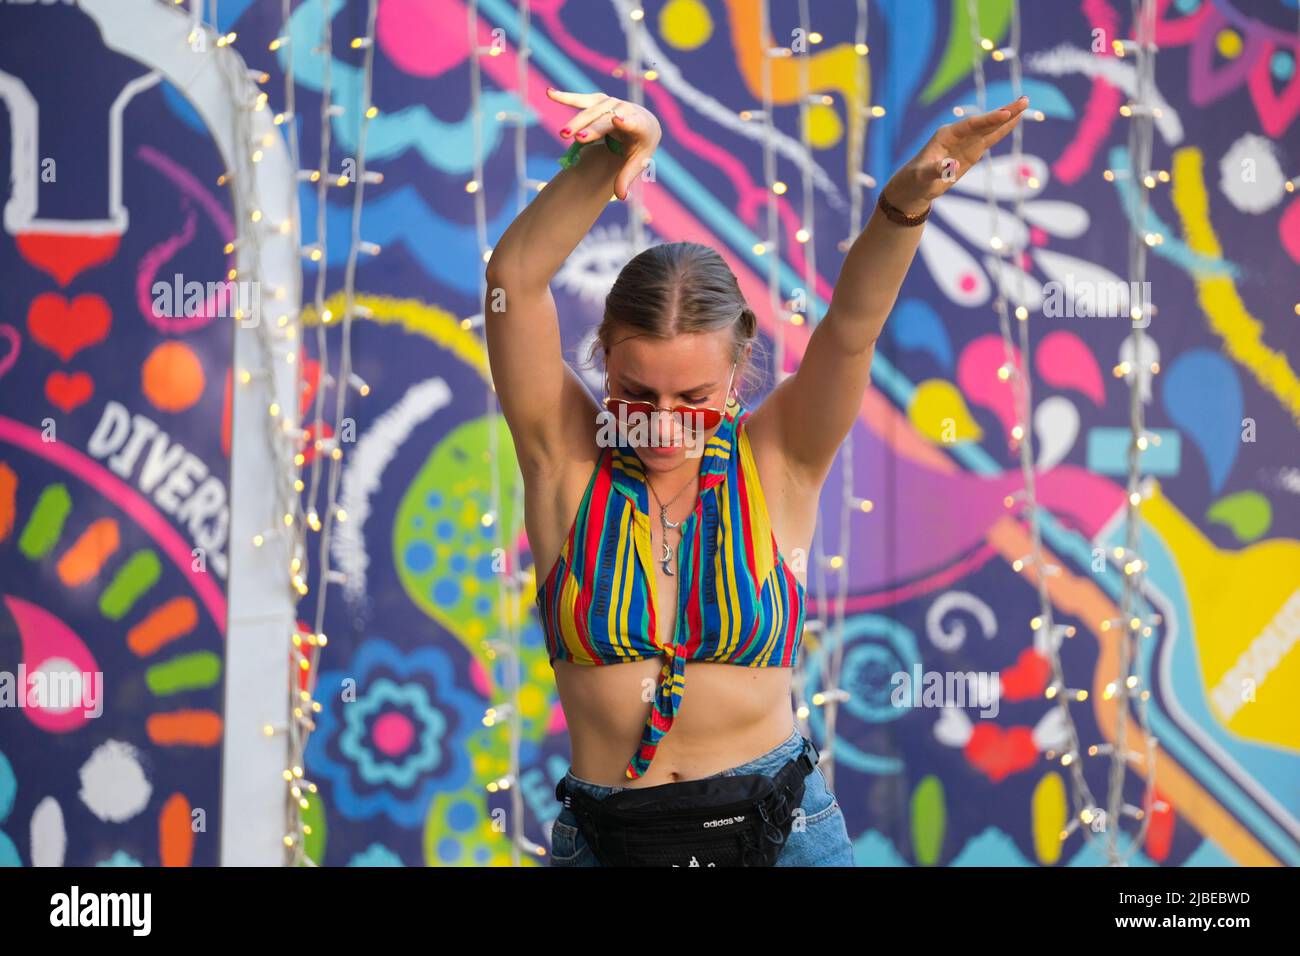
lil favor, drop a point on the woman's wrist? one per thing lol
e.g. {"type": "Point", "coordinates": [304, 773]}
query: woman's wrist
{"type": "Point", "coordinates": [905, 191]}
{"type": "Point", "coordinates": [571, 156]}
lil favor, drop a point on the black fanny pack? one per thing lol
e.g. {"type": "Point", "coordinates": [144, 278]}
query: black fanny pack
{"type": "Point", "coordinates": [740, 820]}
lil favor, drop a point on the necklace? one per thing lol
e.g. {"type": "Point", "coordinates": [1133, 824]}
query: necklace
{"type": "Point", "coordinates": [667, 556]}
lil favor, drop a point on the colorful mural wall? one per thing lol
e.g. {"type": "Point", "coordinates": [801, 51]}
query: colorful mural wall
{"type": "Point", "coordinates": [95, 550]}
{"type": "Point", "coordinates": [114, 456]}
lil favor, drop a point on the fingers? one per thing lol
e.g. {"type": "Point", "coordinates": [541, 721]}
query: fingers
{"type": "Point", "coordinates": [577, 100]}
{"type": "Point", "coordinates": [607, 122]}
{"type": "Point", "coordinates": [641, 143]}
{"type": "Point", "coordinates": [626, 122]}
{"type": "Point", "coordinates": [602, 125]}
{"type": "Point", "coordinates": [589, 116]}
{"type": "Point", "coordinates": [1016, 106]}
{"type": "Point", "coordinates": [1008, 117]}
{"type": "Point", "coordinates": [986, 123]}
{"type": "Point", "coordinates": [1003, 130]}
{"type": "Point", "coordinates": [635, 165]}
{"type": "Point", "coordinates": [980, 125]}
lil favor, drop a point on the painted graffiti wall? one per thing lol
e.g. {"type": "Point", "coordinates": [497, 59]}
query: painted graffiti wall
{"type": "Point", "coordinates": [114, 454]}
{"type": "Point", "coordinates": [99, 525]}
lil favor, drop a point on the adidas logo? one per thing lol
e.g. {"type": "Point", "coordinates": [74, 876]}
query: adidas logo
{"type": "Point", "coordinates": [727, 821]}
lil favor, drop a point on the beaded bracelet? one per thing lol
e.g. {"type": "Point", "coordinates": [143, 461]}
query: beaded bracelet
{"type": "Point", "coordinates": [571, 154]}
{"type": "Point", "coordinates": [894, 214]}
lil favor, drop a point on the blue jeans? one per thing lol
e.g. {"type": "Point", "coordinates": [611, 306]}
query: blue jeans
{"type": "Point", "coordinates": [822, 840]}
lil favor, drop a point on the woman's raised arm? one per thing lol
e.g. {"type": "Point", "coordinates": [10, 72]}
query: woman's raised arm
{"type": "Point", "coordinates": [541, 397]}
{"type": "Point", "coordinates": [809, 414]}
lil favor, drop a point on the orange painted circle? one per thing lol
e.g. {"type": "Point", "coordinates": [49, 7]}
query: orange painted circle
{"type": "Point", "coordinates": [172, 377]}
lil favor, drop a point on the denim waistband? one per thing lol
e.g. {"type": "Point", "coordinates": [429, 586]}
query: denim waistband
{"type": "Point", "coordinates": [768, 763]}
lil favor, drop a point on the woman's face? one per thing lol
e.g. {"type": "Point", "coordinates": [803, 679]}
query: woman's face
{"type": "Point", "coordinates": [688, 369]}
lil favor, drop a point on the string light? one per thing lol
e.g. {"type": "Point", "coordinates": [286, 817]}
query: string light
{"type": "Point", "coordinates": [256, 148]}
{"type": "Point", "coordinates": [1129, 623]}
{"type": "Point", "coordinates": [772, 243]}
{"type": "Point", "coordinates": [302, 702]}
{"type": "Point", "coordinates": [828, 622]}
{"type": "Point", "coordinates": [1143, 113]}
{"type": "Point", "coordinates": [831, 695]}
{"type": "Point", "coordinates": [1022, 394]}
{"type": "Point", "coordinates": [637, 77]}
{"type": "Point", "coordinates": [507, 714]}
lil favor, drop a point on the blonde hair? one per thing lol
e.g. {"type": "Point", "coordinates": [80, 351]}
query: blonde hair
{"type": "Point", "coordinates": [677, 288]}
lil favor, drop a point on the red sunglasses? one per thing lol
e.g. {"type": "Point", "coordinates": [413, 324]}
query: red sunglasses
{"type": "Point", "coordinates": [688, 415]}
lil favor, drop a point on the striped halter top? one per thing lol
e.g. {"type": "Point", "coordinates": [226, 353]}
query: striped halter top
{"type": "Point", "coordinates": [738, 600]}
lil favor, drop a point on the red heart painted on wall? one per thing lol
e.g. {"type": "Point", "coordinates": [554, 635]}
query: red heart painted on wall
{"type": "Point", "coordinates": [999, 753]}
{"type": "Point", "coordinates": [69, 391]}
{"type": "Point", "coordinates": [1027, 677]}
{"type": "Point", "coordinates": [65, 328]}
{"type": "Point", "coordinates": [66, 256]}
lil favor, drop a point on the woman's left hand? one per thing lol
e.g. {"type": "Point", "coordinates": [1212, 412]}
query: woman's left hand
{"type": "Point", "coordinates": [637, 129]}
{"type": "Point", "coordinates": [949, 155]}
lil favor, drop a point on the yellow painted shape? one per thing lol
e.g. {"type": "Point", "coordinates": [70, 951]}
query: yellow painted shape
{"type": "Point", "coordinates": [824, 127]}
{"type": "Point", "coordinates": [419, 318]}
{"type": "Point", "coordinates": [1048, 812]}
{"type": "Point", "coordinates": [939, 412]}
{"type": "Point", "coordinates": [1246, 620]}
{"type": "Point", "coordinates": [685, 24]}
{"type": "Point", "coordinates": [1241, 332]}
{"type": "Point", "coordinates": [1228, 43]}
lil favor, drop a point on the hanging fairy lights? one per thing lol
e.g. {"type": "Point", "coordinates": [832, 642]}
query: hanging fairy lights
{"type": "Point", "coordinates": [632, 19]}
{"type": "Point", "coordinates": [302, 710]}
{"type": "Point", "coordinates": [798, 310]}
{"type": "Point", "coordinates": [302, 516]}
{"type": "Point", "coordinates": [833, 694]}
{"type": "Point", "coordinates": [1135, 620]}
{"type": "Point", "coordinates": [795, 310]}
{"type": "Point", "coordinates": [329, 451]}
{"type": "Point", "coordinates": [1088, 815]}
{"type": "Point", "coordinates": [260, 219]}
{"type": "Point", "coordinates": [770, 247]}
{"type": "Point", "coordinates": [830, 617]}
{"type": "Point", "coordinates": [1047, 633]}
{"type": "Point", "coordinates": [507, 646]}
{"type": "Point", "coordinates": [305, 648]}
{"type": "Point", "coordinates": [319, 253]}
{"type": "Point", "coordinates": [857, 177]}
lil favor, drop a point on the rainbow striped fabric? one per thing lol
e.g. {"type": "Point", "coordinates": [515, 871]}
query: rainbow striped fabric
{"type": "Point", "coordinates": [738, 600]}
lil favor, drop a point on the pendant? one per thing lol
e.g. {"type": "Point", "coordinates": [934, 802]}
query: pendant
{"type": "Point", "coordinates": [667, 560]}
{"type": "Point", "coordinates": [667, 557]}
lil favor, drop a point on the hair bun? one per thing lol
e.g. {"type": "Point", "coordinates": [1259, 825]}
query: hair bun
{"type": "Point", "coordinates": [749, 322]}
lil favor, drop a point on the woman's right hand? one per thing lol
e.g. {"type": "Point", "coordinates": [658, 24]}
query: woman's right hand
{"type": "Point", "coordinates": [601, 115]}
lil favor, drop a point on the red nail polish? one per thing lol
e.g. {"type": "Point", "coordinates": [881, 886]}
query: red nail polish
{"type": "Point", "coordinates": [566, 131]}
{"type": "Point", "coordinates": [582, 135]}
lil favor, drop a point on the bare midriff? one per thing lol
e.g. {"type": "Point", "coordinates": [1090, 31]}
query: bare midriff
{"type": "Point", "coordinates": [729, 715]}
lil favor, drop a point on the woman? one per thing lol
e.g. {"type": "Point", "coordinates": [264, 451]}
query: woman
{"type": "Point", "coordinates": [665, 537]}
